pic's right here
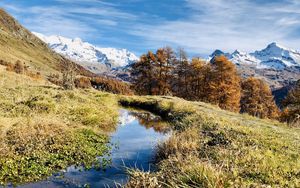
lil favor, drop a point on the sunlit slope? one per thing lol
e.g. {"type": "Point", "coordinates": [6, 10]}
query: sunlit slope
{"type": "Point", "coordinates": [217, 148]}
{"type": "Point", "coordinates": [17, 43]}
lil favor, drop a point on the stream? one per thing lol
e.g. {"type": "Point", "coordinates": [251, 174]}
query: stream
{"type": "Point", "coordinates": [134, 141]}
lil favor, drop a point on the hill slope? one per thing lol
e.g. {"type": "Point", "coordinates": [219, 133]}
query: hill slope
{"type": "Point", "coordinates": [18, 43]}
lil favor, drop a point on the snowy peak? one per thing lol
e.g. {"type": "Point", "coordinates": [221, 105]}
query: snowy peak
{"type": "Point", "coordinates": [274, 56]}
{"type": "Point", "coordinates": [83, 52]}
{"type": "Point", "coordinates": [277, 56]}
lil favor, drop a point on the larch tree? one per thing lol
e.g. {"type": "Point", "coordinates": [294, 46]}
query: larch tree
{"type": "Point", "coordinates": [291, 103]}
{"type": "Point", "coordinates": [69, 75]}
{"type": "Point", "coordinates": [224, 84]}
{"type": "Point", "coordinates": [198, 84]}
{"type": "Point", "coordinates": [182, 72]}
{"type": "Point", "coordinates": [257, 99]}
{"type": "Point", "coordinates": [162, 73]}
{"type": "Point", "coordinates": [143, 72]}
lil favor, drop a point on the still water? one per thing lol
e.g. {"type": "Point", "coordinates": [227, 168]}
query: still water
{"type": "Point", "coordinates": [134, 144]}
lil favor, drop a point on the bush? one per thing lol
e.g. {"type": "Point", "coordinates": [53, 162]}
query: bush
{"type": "Point", "coordinates": [54, 79]}
{"type": "Point", "coordinates": [83, 83]}
{"type": "Point", "coordinates": [19, 67]}
{"type": "Point", "coordinates": [111, 85]}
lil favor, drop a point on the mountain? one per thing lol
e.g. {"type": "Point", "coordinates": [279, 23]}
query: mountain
{"type": "Point", "coordinates": [273, 56]}
{"type": "Point", "coordinates": [92, 57]}
{"type": "Point", "coordinates": [277, 65]}
{"type": "Point", "coordinates": [18, 43]}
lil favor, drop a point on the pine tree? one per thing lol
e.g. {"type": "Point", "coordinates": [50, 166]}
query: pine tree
{"type": "Point", "coordinates": [224, 84]}
{"type": "Point", "coordinates": [257, 99]}
{"type": "Point", "coordinates": [291, 103]}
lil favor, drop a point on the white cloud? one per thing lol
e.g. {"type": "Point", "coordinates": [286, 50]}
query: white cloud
{"type": "Point", "coordinates": [70, 21]}
{"type": "Point", "coordinates": [209, 24]}
{"type": "Point", "coordinates": [225, 24]}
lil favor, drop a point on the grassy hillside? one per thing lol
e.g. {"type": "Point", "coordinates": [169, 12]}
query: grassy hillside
{"type": "Point", "coordinates": [216, 148]}
{"type": "Point", "coordinates": [44, 128]}
{"type": "Point", "coordinates": [17, 43]}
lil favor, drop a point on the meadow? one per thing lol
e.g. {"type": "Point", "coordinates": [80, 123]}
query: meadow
{"type": "Point", "coordinates": [45, 129]}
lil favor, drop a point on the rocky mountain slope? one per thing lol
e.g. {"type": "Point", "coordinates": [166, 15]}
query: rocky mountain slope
{"type": "Point", "coordinates": [277, 65]}
{"type": "Point", "coordinates": [91, 57]}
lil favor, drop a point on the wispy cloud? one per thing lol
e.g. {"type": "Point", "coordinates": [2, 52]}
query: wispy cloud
{"type": "Point", "coordinates": [200, 26]}
{"type": "Point", "coordinates": [228, 25]}
{"type": "Point", "coordinates": [70, 21]}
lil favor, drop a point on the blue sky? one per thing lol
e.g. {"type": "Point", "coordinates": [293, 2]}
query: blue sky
{"type": "Point", "coordinates": [199, 26]}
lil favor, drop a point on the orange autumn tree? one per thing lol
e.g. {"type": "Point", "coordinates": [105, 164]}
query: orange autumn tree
{"type": "Point", "coordinates": [182, 72]}
{"type": "Point", "coordinates": [291, 103]}
{"type": "Point", "coordinates": [163, 63]}
{"type": "Point", "coordinates": [224, 84]}
{"type": "Point", "coordinates": [198, 83]}
{"type": "Point", "coordinates": [143, 72]}
{"type": "Point", "coordinates": [257, 99]}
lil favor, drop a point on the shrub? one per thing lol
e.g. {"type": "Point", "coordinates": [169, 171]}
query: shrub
{"type": "Point", "coordinates": [54, 79]}
{"type": "Point", "coordinates": [111, 85]}
{"type": "Point", "coordinates": [10, 67]}
{"type": "Point", "coordinates": [83, 82]}
{"type": "Point", "coordinates": [34, 75]}
{"type": "Point", "coordinates": [19, 67]}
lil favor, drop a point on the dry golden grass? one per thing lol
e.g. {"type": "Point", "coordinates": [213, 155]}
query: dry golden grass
{"type": "Point", "coordinates": [44, 128]}
{"type": "Point", "coordinates": [217, 148]}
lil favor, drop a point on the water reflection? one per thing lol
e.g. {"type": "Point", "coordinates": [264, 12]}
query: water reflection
{"type": "Point", "coordinates": [136, 137]}
{"type": "Point", "coordinates": [151, 121]}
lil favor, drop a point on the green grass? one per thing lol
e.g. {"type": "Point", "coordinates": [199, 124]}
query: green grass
{"type": "Point", "coordinates": [44, 129]}
{"type": "Point", "coordinates": [216, 148]}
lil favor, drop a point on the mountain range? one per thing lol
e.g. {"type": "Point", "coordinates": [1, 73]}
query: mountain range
{"type": "Point", "coordinates": [95, 59]}
{"type": "Point", "coordinates": [273, 56]}
{"type": "Point", "coordinates": [279, 66]}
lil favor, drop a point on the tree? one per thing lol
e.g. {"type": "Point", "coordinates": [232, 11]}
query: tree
{"type": "Point", "coordinates": [257, 99]}
{"type": "Point", "coordinates": [224, 84]}
{"type": "Point", "coordinates": [182, 71]}
{"type": "Point", "coordinates": [153, 72]}
{"type": "Point", "coordinates": [291, 103]}
{"type": "Point", "coordinates": [165, 58]}
{"type": "Point", "coordinates": [69, 74]}
{"type": "Point", "coordinates": [198, 81]}
{"type": "Point", "coordinates": [143, 73]}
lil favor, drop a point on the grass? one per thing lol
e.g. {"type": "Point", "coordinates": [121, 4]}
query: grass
{"type": "Point", "coordinates": [211, 147]}
{"type": "Point", "coordinates": [45, 129]}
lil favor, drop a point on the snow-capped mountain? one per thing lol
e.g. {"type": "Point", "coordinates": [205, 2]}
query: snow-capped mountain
{"type": "Point", "coordinates": [87, 54]}
{"type": "Point", "coordinates": [274, 56]}
{"type": "Point", "coordinates": [277, 65]}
